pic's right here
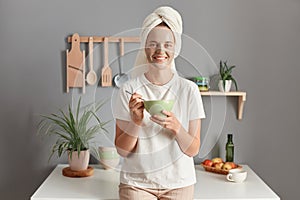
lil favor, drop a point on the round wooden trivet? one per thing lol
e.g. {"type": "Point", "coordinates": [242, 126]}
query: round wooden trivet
{"type": "Point", "coordinates": [77, 174]}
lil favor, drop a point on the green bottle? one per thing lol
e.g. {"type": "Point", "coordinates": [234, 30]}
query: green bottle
{"type": "Point", "coordinates": [229, 149]}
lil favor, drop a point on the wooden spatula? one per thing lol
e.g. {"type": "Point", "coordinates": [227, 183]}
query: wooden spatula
{"type": "Point", "coordinates": [106, 70]}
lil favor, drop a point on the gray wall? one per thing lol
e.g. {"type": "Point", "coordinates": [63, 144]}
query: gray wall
{"type": "Point", "coordinates": [260, 37]}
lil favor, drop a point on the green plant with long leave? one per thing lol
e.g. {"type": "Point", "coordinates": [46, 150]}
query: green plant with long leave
{"type": "Point", "coordinates": [72, 129]}
{"type": "Point", "coordinates": [225, 73]}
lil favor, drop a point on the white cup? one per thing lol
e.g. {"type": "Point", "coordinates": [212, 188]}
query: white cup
{"type": "Point", "coordinates": [237, 175]}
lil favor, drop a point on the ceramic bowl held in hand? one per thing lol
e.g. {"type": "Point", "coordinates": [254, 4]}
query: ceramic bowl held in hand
{"type": "Point", "coordinates": [155, 107]}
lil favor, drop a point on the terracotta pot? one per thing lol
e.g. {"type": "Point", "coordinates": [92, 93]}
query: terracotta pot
{"type": "Point", "coordinates": [81, 162]}
{"type": "Point", "coordinates": [227, 85]}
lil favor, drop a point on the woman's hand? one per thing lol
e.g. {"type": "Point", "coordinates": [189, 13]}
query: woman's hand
{"type": "Point", "coordinates": [170, 122]}
{"type": "Point", "coordinates": [189, 141]}
{"type": "Point", "coordinates": [136, 107]}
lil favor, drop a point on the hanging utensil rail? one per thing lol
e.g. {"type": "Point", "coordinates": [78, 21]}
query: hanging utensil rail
{"type": "Point", "coordinates": [85, 39]}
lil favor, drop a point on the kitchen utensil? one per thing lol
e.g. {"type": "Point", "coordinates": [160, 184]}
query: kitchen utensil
{"type": "Point", "coordinates": [75, 65]}
{"type": "Point", "coordinates": [132, 94]}
{"type": "Point", "coordinates": [91, 77]}
{"type": "Point", "coordinates": [106, 70]}
{"type": "Point", "coordinates": [121, 78]}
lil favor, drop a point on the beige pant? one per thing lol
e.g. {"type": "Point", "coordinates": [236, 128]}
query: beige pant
{"type": "Point", "coordinates": [128, 192]}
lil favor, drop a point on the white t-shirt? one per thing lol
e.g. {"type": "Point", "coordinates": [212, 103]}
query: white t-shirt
{"type": "Point", "coordinates": [158, 161]}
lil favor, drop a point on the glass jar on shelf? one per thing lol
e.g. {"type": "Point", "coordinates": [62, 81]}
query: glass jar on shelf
{"type": "Point", "coordinates": [202, 82]}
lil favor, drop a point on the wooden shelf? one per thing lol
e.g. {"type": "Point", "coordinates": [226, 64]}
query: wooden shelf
{"type": "Point", "coordinates": [241, 99]}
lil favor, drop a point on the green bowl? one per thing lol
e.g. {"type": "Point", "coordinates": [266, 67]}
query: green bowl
{"type": "Point", "coordinates": [108, 153]}
{"type": "Point", "coordinates": [155, 107]}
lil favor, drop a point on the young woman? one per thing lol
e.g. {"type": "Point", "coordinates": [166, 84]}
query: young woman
{"type": "Point", "coordinates": [158, 151]}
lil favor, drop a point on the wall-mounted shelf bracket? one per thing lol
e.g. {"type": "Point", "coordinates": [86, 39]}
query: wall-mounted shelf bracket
{"type": "Point", "coordinates": [241, 99]}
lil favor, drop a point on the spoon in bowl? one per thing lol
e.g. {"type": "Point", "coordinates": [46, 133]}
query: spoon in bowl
{"type": "Point", "coordinates": [132, 94]}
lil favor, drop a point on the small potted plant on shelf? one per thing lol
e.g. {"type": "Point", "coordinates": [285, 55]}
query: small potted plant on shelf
{"type": "Point", "coordinates": [74, 131]}
{"type": "Point", "coordinates": [226, 77]}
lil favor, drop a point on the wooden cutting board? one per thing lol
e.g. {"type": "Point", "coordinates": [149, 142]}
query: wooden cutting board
{"type": "Point", "coordinates": [75, 66]}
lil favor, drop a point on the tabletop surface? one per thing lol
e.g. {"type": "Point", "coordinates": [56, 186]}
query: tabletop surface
{"type": "Point", "coordinates": [104, 185]}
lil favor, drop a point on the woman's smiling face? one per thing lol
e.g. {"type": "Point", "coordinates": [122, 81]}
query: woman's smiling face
{"type": "Point", "coordinates": [160, 47]}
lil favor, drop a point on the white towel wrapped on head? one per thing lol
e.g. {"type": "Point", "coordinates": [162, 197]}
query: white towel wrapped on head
{"type": "Point", "coordinates": [162, 14]}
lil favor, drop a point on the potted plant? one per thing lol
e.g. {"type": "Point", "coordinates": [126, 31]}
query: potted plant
{"type": "Point", "coordinates": [74, 131]}
{"type": "Point", "coordinates": [226, 77]}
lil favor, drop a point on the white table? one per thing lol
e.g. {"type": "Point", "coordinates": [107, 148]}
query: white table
{"type": "Point", "coordinates": [104, 185]}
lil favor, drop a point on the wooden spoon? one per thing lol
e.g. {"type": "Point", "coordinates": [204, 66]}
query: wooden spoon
{"type": "Point", "coordinates": [91, 77]}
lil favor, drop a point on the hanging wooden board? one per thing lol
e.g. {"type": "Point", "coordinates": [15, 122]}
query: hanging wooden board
{"type": "Point", "coordinates": [75, 66]}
